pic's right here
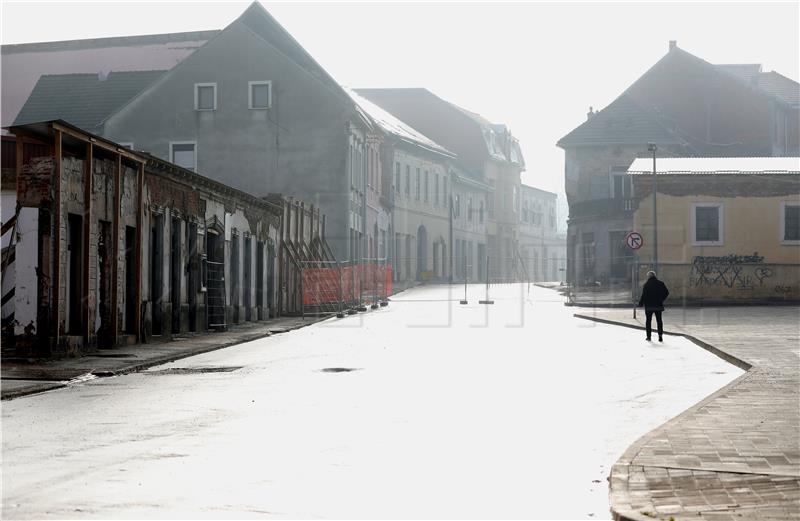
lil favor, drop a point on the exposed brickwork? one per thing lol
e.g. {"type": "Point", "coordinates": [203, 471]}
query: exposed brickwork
{"type": "Point", "coordinates": [36, 182]}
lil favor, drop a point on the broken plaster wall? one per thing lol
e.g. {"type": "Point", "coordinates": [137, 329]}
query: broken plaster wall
{"type": "Point", "coordinates": [243, 221]}
{"type": "Point", "coordinates": [177, 204]}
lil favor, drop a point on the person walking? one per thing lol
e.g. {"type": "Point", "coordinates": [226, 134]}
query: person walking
{"type": "Point", "coordinates": [654, 293]}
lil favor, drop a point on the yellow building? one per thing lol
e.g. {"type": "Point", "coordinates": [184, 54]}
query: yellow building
{"type": "Point", "coordinates": [728, 228]}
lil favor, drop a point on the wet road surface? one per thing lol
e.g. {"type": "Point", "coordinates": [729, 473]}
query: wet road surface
{"type": "Point", "coordinates": [423, 409]}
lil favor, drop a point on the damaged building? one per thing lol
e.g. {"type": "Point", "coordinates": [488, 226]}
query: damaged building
{"type": "Point", "coordinates": [105, 246]}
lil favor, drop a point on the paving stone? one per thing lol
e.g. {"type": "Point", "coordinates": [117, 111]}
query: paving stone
{"type": "Point", "coordinates": [738, 451]}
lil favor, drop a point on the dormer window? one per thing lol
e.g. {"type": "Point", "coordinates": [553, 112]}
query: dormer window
{"type": "Point", "coordinates": [205, 96]}
{"type": "Point", "coordinates": [260, 94]}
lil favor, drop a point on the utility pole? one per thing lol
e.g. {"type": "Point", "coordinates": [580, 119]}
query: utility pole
{"type": "Point", "coordinates": [651, 147]}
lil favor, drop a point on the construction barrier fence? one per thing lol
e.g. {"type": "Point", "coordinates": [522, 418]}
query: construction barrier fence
{"type": "Point", "coordinates": [331, 287]}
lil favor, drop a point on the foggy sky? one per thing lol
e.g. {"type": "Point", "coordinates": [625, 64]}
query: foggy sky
{"type": "Point", "coordinates": [536, 67]}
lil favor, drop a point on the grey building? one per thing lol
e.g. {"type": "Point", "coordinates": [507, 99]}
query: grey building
{"type": "Point", "coordinates": [487, 151]}
{"type": "Point", "coordinates": [687, 107]}
{"type": "Point", "coordinates": [251, 108]}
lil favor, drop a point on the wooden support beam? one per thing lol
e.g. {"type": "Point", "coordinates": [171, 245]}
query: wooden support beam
{"type": "Point", "coordinates": [20, 151]}
{"type": "Point", "coordinates": [106, 145]}
{"type": "Point", "coordinates": [57, 261]}
{"type": "Point", "coordinates": [137, 320]}
{"type": "Point", "coordinates": [115, 250]}
{"type": "Point", "coordinates": [87, 239]}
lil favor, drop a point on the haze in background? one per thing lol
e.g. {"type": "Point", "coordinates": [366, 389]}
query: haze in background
{"type": "Point", "coordinates": [536, 67]}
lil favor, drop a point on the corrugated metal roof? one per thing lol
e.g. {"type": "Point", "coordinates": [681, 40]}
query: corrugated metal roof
{"type": "Point", "coordinates": [716, 165]}
{"type": "Point", "coordinates": [83, 100]}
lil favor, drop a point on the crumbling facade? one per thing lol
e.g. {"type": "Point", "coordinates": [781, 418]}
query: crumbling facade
{"type": "Point", "coordinates": [111, 246]}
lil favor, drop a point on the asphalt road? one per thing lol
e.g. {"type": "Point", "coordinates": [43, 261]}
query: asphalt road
{"type": "Point", "coordinates": [515, 410]}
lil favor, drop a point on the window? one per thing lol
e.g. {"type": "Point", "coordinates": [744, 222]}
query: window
{"type": "Point", "coordinates": [369, 169]}
{"type": "Point", "coordinates": [457, 206]}
{"type": "Point", "coordinates": [427, 187]}
{"type": "Point", "coordinates": [790, 222]}
{"type": "Point", "coordinates": [418, 185]}
{"type": "Point", "coordinates": [469, 209]}
{"type": "Point", "coordinates": [444, 191]}
{"type": "Point", "coordinates": [184, 154]}
{"type": "Point", "coordinates": [587, 242]}
{"type": "Point", "coordinates": [707, 224]}
{"type": "Point", "coordinates": [259, 94]}
{"type": "Point", "coordinates": [352, 166]}
{"type": "Point", "coordinates": [408, 181]}
{"type": "Point", "coordinates": [480, 213]}
{"type": "Point", "coordinates": [397, 177]}
{"type": "Point", "coordinates": [205, 96]}
{"type": "Point", "coordinates": [436, 189]}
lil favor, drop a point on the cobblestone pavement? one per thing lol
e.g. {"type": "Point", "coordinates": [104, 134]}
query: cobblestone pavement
{"type": "Point", "coordinates": [736, 454]}
{"type": "Point", "coordinates": [24, 377]}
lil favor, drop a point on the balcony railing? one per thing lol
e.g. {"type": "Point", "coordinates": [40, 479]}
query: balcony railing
{"type": "Point", "coordinates": [616, 207]}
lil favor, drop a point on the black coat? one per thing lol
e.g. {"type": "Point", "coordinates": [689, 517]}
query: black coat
{"type": "Point", "coordinates": [654, 293]}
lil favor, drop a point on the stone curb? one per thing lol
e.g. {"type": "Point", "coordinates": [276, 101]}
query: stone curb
{"type": "Point", "coordinates": [741, 364]}
{"type": "Point", "coordinates": [140, 366]}
{"type": "Point", "coordinates": [619, 471]}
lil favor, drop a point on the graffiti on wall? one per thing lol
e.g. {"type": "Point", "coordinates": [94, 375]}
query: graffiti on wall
{"type": "Point", "coordinates": [729, 271]}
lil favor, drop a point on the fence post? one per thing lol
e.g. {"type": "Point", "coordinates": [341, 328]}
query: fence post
{"type": "Point", "coordinates": [340, 314]}
{"type": "Point", "coordinates": [465, 281]}
{"type": "Point", "coordinates": [374, 267]}
{"type": "Point", "coordinates": [487, 301]}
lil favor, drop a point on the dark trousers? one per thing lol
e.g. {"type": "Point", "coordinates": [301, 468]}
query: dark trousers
{"type": "Point", "coordinates": [648, 324]}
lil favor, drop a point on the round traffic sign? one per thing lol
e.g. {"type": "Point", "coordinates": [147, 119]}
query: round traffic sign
{"type": "Point", "coordinates": [634, 240]}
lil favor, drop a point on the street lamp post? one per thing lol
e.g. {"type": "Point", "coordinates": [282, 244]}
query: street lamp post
{"type": "Point", "coordinates": [651, 147]}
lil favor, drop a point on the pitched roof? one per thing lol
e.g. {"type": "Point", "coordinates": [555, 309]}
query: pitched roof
{"type": "Point", "coordinates": [261, 23]}
{"type": "Point", "coordinates": [783, 88]}
{"type": "Point", "coordinates": [113, 41]}
{"type": "Point", "coordinates": [621, 122]}
{"type": "Point", "coordinates": [392, 125]}
{"type": "Point", "coordinates": [645, 123]}
{"type": "Point", "coordinates": [23, 64]}
{"type": "Point", "coordinates": [717, 165]}
{"type": "Point", "coordinates": [771, 83]}
{"type": "Point", "coordinates": [83, 100]}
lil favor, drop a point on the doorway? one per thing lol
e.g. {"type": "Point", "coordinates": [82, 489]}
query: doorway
{"type": "Point", "coordinates": [247, 277]}
{"type": "Point", "coordinates": [175, 275]}
{"type": "Point", "coordinates": [192, 268]}
{"type": "Point", "coordinates": [215, 281]}
{"type": "Point", "coordinates": [422, 252]}
{"type": "Point", "coordinates": [157, 273]}
{"type": "Point", "coordinates": [75, 289]}
{"type": "Point", "coordinates": [130, 279]}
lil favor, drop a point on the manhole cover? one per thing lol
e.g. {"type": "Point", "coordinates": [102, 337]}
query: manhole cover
{"type": "Point", "coordinates": [338, 369]}
{"type": "Point", "coordinates": [196, 370]}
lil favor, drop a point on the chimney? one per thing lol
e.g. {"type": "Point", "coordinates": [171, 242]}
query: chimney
{"type": "Point", "coordinates": [590, 113]}
{"type": "Point", "coordinates": [673, 44]}
{"type": "Point", "coordinates": [102, 75]}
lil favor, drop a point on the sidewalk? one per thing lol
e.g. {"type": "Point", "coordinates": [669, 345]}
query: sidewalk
{"type": "Point", "coordinates": [736, 454]}
{"type": "Point", "coordinates": [23, 377]}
